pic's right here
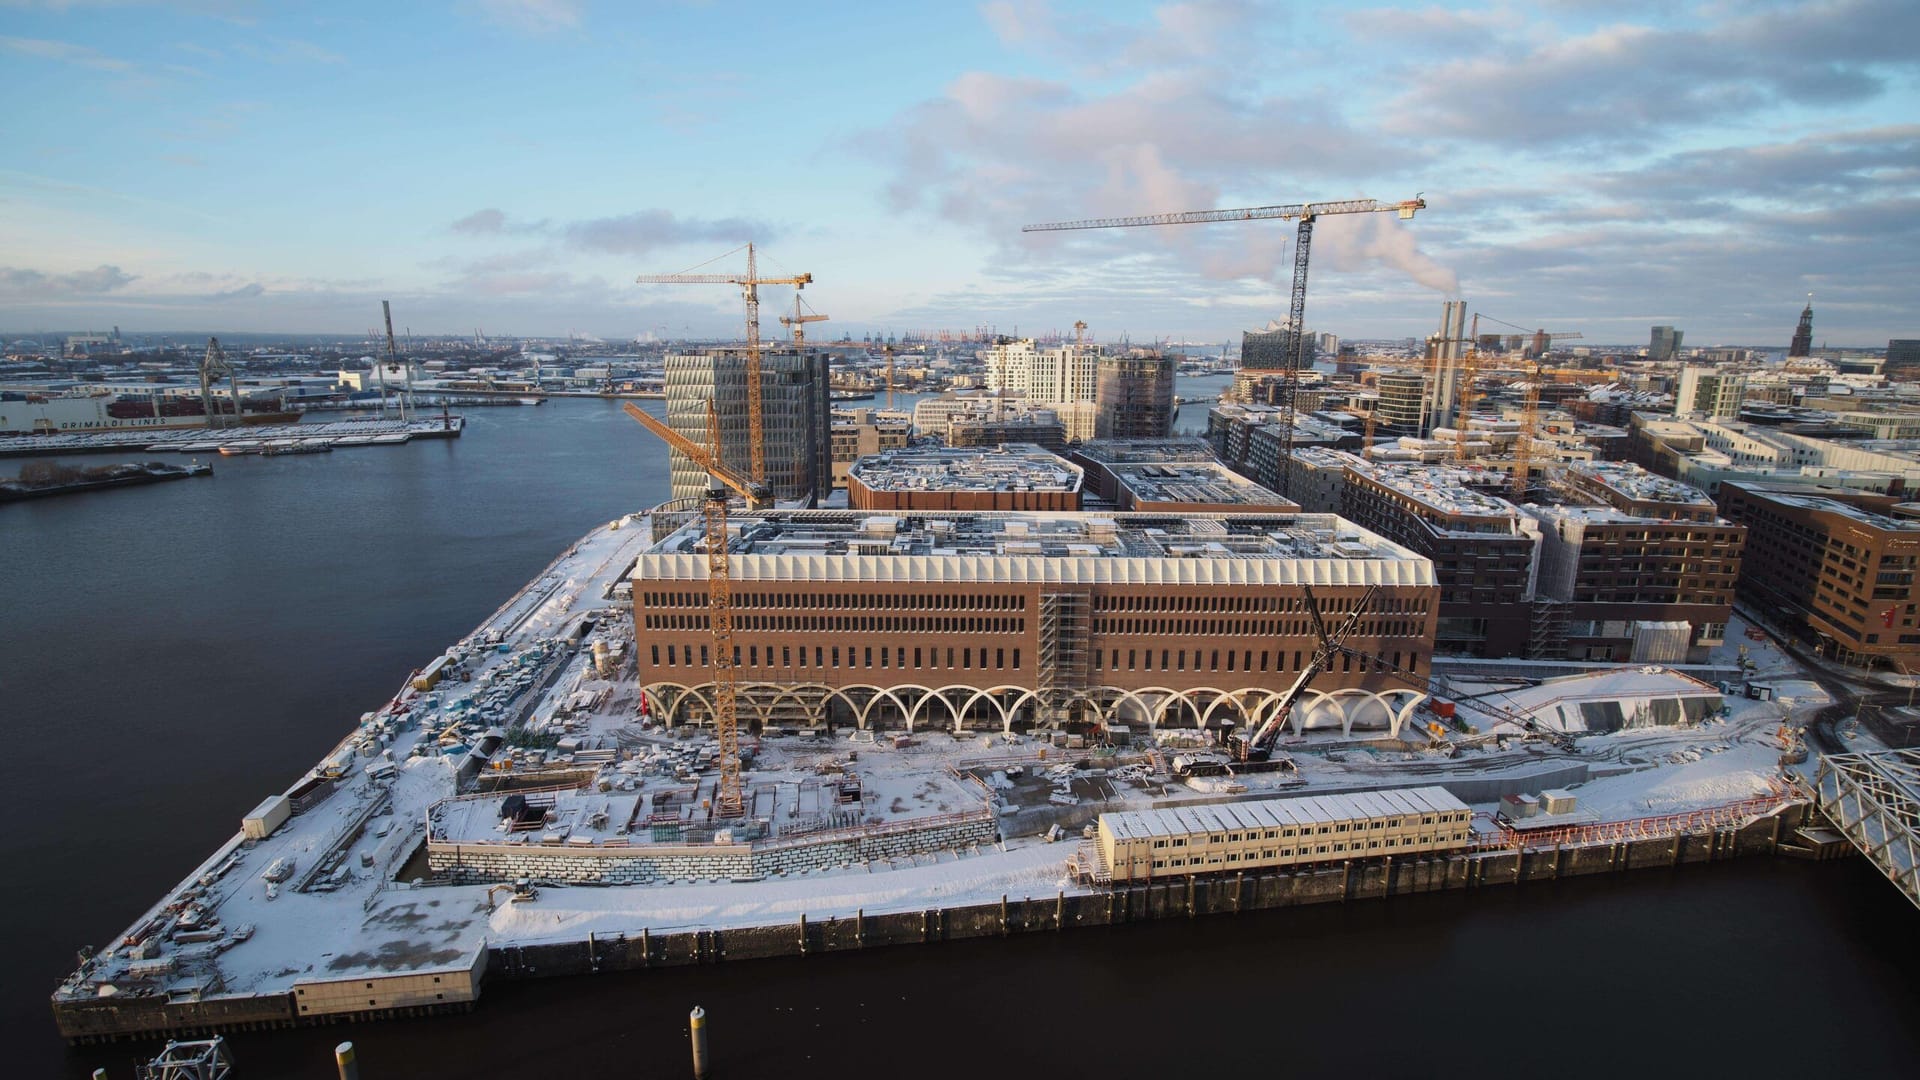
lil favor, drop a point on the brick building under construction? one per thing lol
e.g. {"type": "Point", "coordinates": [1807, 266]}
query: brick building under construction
{"type": "Point", "coordinates": [1006, 621]}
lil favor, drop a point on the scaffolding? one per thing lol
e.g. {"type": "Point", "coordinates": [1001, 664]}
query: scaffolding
{"type": "Point", "coordinates": [1066, 622]}
{"type": "Point", "coordinates": [1547, 630]}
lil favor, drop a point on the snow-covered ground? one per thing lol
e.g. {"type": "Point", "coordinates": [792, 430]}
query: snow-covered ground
{"type": "Point", "coordinates": [523, 672]}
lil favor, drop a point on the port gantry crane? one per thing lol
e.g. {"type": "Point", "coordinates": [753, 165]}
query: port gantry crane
{"type": "Point", "coordinates": [1295, 344]}
{"type": "Point", "coordinates": [728, 799]}
{"type": "Point", "coordinates": [750, 288]}
{"type": "Point", "coordinates": [213, 366]}
{"type": "Point", "coordinates": [393, 361]}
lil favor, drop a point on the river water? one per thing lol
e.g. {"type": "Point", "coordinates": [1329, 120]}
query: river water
{"type": "Point", "coordinates": [170, 654]}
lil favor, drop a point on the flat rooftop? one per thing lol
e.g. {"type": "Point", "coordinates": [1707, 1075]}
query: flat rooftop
{"type": "Point", "coordinates": [1206, 482]}
{"type": "Point", "coordinates": [1009, 467]}
{"type": "Point", "coordinates": [1125, 451]}
{"type": "Point", "coordinates": [918, 546]}
{"type": "Point", "coordinates": [1310, 810]}
{"type": "Point", "coordinates": [1322, 457]}
{"type": "Point", "coordinates": [1788, 496]}
{"type": "Point", "coordinates": [1635, 483]}
{"type": "Point", "coordinates": [1440, 488]}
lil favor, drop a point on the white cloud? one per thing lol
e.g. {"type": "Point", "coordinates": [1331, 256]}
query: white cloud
{"type": "Point", "coordinates": [65, 53]}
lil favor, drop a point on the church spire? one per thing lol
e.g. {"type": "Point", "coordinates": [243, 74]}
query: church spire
{"type": "Point", "coordinates": [1803, 334]}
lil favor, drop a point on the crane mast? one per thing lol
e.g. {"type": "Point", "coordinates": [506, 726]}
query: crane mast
{"type": "Point", "coordinates": [1295, 347]}
{"type": "Point", "coordinates": [729, 801]}
{"type": "Point", "coordinates": [750, 290]}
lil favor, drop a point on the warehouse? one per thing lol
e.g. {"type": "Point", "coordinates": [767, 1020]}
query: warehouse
{"type": "Point", "coordinates": [1140, 845]}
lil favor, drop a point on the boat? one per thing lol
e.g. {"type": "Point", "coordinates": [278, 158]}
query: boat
{"type": "Point", "coordinates": [65, 414]}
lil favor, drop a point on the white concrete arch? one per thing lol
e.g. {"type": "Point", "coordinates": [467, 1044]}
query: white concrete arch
{"type": "Point", "coordinates": [673, 712]}
{"type": "Point", "coordinates": [1310, 701]}
{"type": "Point", "coordinates": [879, 693]}
{"type": "Point", "coordinates": [853, 707]}
{"type": "Point", "coordinates": [1151, 710]}
{"type": "Point", "coordinates": [800, 695]}
{"type": "Point", "coordinates": [940, 694]}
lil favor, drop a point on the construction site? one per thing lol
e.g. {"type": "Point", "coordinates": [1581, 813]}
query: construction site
{"type": "Point", "coordinates": [739, 725]}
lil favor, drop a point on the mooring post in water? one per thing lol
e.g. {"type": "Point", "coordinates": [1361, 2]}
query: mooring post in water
{"type": "Point", "coordinates": [344, 1058]}
{"type": "Point", "coordinates": [697, 1024]}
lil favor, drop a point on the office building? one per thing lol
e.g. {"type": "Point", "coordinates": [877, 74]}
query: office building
{"type": "Point", "coordinates": [1644, 575]}
{"type": "Point", "coordinates": [796, 425]}
{"type": "Point", "coordinates": [1053, 376]}
{"type": "Point", "coordinates": [1664, 345]}
{"type": "Point", "coordinates": [1834, 560]}
{"type": "Point", "coordinates": [1482, 548]}
{"type": "Point", "coordinates": [1707, 392]}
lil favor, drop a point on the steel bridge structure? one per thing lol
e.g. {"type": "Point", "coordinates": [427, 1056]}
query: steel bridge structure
{"type": "Point", "coordinates": [1874, 800]}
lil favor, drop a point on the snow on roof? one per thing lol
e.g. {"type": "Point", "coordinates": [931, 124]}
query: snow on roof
{"type": "Point", "coordinates": [1010, 467]}
{"type": "Point", "coordinates": [1613, 698]}
{"type": "Point", "coordinates": [1445, 490]}
{"type": "Point", "coordinates": [1279, 813]}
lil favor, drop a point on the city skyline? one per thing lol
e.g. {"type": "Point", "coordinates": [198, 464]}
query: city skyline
{"type": "Point", "coordinates": [510, 166]}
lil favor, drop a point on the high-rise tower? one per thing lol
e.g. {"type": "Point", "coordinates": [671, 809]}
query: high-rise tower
{"type": "Point", "coordinates": [1803, 334]}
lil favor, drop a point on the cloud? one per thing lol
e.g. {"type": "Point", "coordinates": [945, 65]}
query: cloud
{"type": "Point", "coordinates": [532, 16]}
{"type": "Point", "coordinates": [244, 292]}
{"type": "Point", "coordinates": [646, 230]}
{"type": "Point", "coordinates": [1621, 84]}
{"type": "Point", "coordinates": [481, 222]}
{"type": "Point", "coordinates": [17, 283]}
{"type": "Point", "coordinates": [65, 53]}
{"type": "Point", "coordinates": [625, 234]}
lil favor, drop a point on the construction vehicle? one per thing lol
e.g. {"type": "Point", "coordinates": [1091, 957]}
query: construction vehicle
{"type": "Point", "coordinates": [729, 801]}
{"type": "Point", "coordinates": [1297, 346]}
{"type": "Point", "coordinates": [1253, 751]}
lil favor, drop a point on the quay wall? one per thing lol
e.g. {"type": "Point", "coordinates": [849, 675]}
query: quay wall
{"type": "Point", "coordinates": [87, 1020]}
{"type": "Point", "coordinates": [1173, 898]}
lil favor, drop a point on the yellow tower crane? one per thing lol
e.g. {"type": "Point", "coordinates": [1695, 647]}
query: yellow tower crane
{"type": "Point", "coordinates": [1298, 352]}
{"type": "Point", "coordinates": [749, 284]}
{"type": "Point", "coordinates": [798, 322]}
{"type": "Point", "coordinates": [729, 802]}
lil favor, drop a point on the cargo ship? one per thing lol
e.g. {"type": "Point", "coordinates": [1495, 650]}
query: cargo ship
{"type": "Point", "coordinates": [41, 414]}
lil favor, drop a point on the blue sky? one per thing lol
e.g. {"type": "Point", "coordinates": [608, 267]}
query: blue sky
{"type": "Point", "coordinates": [512, 164]}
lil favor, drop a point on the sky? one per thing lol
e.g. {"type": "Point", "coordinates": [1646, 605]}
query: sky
{"type": "Point", "coordinates": [509, 166]}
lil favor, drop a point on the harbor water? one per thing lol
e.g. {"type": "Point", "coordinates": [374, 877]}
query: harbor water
{"type": "Point", "coordinates": [170, 654]}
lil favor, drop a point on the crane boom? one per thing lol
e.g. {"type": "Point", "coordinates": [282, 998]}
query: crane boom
{"type": "Point", "coordinates": [1405, 209]}
{"type": "Point", "coordinates": [1259, 744]}
{"type": "Point", "coordinates": [750, 290]}
{"type": "Point", "coordinates": [1295, 351]}
{"type": "Point", "coordinates": [755, 494]}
